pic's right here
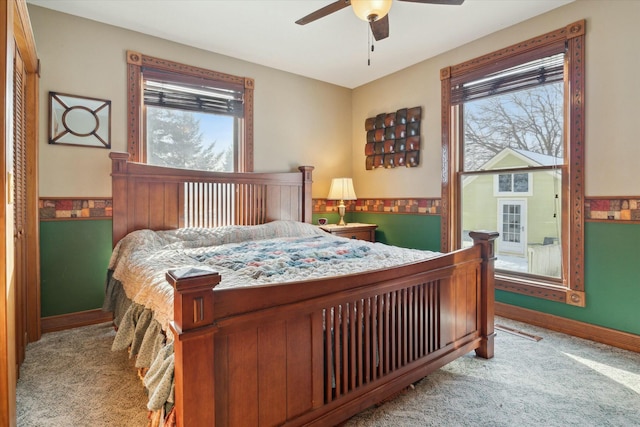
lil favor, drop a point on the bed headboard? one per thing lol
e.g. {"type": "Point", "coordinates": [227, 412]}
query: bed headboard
{"type": "Point", "coordinates": [161, 198]}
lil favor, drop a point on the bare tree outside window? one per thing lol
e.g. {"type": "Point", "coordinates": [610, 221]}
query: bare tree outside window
{"type": "Point", "coordinates": [529, 120]}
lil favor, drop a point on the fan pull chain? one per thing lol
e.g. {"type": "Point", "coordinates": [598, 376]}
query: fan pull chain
{"type": "Point", "coordinates": [369, 42]}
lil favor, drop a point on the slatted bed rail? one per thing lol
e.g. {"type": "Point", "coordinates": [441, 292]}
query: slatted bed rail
{"type": "Point", "coordinates": [305, 353]}
{"type": "Point", "coordinates": [370, 338]}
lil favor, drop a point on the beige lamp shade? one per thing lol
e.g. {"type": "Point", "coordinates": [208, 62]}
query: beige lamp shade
{"type": "Point", "coordinates": [371, 10]}
{"type": "Point", "coordinates": [341, 189]}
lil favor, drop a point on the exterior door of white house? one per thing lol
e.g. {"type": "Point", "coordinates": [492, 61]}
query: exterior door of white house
{"type": "Point", "coordinates": [512, 220]}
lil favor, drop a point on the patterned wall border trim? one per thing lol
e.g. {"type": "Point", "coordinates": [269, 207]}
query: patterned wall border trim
{"type": "Point", "coordinates": [67, 208]}
{"type": "Point", "coordinates": [612, 209]}
{"type": "Point", "coordinates": [395, 206]}
{"type": "Point", "coordinates": [616, 209]}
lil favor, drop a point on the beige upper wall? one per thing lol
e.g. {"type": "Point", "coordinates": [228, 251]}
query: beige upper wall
{"type": "Point", "coordinates": [296, 120]}
{"type": "Point", "coordinates": [303, 121]}
{"type": "Point", "coordinates": [611, 140]}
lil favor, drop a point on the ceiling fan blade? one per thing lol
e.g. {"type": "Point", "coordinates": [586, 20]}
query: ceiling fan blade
{"type": "Point", "coordinates": [443, 2]}
{"type": "Point", "coordinates": [321, 13]}
{"type": "Point", "coordinates": [380, 28]}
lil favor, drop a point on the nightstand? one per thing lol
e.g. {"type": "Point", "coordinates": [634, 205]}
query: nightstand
{"type": "Point", "coordinates": [352, 230]}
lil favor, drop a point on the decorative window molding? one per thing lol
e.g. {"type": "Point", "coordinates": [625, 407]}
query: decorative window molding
{"type": "Point", "coordinates": [138, 63]}
{"type": "Point", "coordinates": [571, 40]}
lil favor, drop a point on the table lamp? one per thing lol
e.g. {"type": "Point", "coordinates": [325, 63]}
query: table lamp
{"type": "Point", "coordinates": [341, 189]}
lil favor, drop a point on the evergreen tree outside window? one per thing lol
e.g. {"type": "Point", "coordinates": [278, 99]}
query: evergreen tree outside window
{"type": "Point", "coordinates": [177, 138]}
{"type": "Point", "coordinates": [190, 124]}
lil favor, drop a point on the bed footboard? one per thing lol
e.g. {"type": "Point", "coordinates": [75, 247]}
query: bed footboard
{"type": "Point", "coordinates": [316, 353]}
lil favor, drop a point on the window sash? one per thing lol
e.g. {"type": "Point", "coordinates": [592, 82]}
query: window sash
{"type": "Point", "coordinates": [480, 208]}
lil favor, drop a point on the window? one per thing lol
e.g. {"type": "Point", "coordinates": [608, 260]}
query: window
{"type": "Point", "coordinates": [513, 131]}
{"type": "Point", "coordinates": [188, 117]}
{"type": "Point", "coordinates": [508, 184]}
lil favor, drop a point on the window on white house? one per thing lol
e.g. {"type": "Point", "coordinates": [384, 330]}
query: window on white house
{"type": "Point", "coordinates": [512, 183]}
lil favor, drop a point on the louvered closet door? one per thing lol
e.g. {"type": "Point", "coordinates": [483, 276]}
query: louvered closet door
{"type": "Point", "coordinates": [20, 203]}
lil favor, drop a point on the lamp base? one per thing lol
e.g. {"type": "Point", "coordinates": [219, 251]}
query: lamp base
{"type": "Point", "coordinates": [341, 210]}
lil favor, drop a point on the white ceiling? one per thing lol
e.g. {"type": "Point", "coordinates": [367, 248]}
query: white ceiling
{"type": "Point", "coordinates": [332, 49]}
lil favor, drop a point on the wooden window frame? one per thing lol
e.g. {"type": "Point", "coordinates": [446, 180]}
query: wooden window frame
{"type": "Point", "coordinates": [135, 108]}
{"type": "Point", "coordinates": [572, 289]}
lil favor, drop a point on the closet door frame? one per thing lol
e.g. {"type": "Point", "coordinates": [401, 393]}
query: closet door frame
{"type": "Point", "coordinates": [16, 33]}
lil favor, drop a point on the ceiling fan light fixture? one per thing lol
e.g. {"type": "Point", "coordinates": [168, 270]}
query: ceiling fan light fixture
{"type": "Point", "coordinates": [371, 10]}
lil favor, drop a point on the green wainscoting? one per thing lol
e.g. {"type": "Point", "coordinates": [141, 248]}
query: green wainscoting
{"type": "Point", "coordinates": [612, 280]}
{"type": "Point", "coordinates": [612, 267]}
{"type": "Point", "coordinates": [74, 256]}
{"type": "Point", "coordinates": [406, 230]}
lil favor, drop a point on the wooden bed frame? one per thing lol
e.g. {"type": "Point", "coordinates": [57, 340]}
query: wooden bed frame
{"type": "Point", "coordinates": [304, 353]}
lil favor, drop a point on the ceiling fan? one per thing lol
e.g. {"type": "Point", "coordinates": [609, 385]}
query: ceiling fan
{"type": "Point", "coordinates": [373, 11]}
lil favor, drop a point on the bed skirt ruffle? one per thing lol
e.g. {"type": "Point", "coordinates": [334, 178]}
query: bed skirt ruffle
{"type": "Point", "coordinates": [140, 334]}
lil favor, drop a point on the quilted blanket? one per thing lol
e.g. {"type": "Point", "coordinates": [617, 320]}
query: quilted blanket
{"type": "Point", "coordinates": [276, 252]}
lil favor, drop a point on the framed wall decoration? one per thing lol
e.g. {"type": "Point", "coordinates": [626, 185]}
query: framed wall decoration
{"type": "Point", "coordinates": [82, 121]}
{"type": "Point", "coordinates": [393, 139]}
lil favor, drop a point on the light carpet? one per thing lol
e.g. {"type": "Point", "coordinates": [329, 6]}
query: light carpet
{"type": "Point", "coordinates": [71, 378]}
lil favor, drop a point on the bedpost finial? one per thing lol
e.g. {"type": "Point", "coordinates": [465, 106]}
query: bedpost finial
{"type": "Point", "coordinates": [119, 161]}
